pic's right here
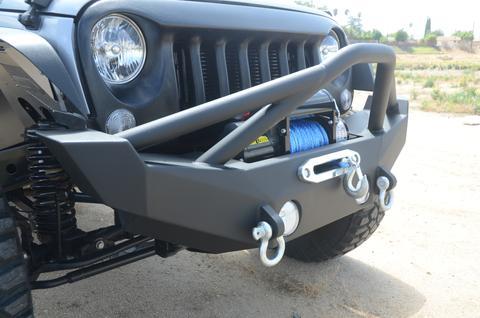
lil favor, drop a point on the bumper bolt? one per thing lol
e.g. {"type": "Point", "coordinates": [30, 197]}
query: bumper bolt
{"type": "Point", "coordinates": [306, 172]}
{"type": "Point", "coordinates": [100, 245]}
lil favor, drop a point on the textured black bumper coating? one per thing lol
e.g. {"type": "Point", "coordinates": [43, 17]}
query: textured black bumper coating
{"type": "Point", "coordinates": [214, 207]}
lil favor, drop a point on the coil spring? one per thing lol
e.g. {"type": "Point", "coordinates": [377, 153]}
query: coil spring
{"type": "Point", "coordinates": [54, 213]}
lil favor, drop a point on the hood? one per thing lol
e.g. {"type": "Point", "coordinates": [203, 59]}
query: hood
{"type": "Point", "coordinates": [73, 7]}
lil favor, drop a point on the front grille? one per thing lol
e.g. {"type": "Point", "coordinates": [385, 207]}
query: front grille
{"type": "Point", "coordinates": [209, 69]}
{"type": "Point", "coordinates": [233, 68]}
{"type": "Point", "coordinates": [254, 64]}
{"type": "Point", "coordinates": [209, 72]}
{"type": "Point", "coordinates": [274, 60]}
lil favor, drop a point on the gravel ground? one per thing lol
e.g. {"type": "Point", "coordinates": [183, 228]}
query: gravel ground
{"type": "Point", "coordinates": [422, 262]}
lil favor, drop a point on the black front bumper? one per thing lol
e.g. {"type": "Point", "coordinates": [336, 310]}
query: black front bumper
{"type": "Point", "coordinates": [211, 203]}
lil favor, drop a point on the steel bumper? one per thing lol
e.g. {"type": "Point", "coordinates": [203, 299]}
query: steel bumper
{"type": "Point", "coordinates": [211, 202]}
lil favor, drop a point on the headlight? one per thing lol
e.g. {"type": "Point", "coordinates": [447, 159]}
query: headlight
{"type": "Point", "coordinates": [329, 46]}
{"type": "Point", "coordinates": [118, 49]}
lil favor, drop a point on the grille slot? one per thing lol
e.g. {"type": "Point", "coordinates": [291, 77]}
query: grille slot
{"type": "Point", "coordinates": [274, 59]}
{"type": "Point", "coordinates": [209, 69]}
{"type": "Point", "coordinates": [292, 55]}
{"type": "Point", "coordinates": [233, 67]}
{"type": "Point", "coordinates": [183, 71]}
{"type": "Point", "coordinates": [254, 64]}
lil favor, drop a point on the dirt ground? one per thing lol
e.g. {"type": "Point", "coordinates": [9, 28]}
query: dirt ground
{"type": "Point", "coordinates": [422, 262]}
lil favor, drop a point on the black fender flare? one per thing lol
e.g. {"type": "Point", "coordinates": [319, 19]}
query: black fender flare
{"type": "Point", "coordinates": [36, 52]}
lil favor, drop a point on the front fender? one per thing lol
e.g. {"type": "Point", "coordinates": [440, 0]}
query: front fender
{"type": "Point", "coordinates": [36, 53]}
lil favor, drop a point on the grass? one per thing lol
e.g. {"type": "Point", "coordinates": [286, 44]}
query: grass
{"type": "Point", "coordinates": [424, 50]}
{"type": "Point", "coordinates": [440, 82]}
{"type": "Point", "coordinates": [416, 50]}
{"type": "Point", "coordinates": [438, 65]}
{"type": "Point", "coordinates": [466, 100]}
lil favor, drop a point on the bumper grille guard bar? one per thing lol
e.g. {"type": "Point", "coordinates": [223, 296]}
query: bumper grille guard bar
{"type": "Point", "coordinates": [276, 99]}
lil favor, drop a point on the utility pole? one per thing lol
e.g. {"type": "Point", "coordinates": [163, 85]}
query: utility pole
{"type": "Point", "coordinates": [473, 32]}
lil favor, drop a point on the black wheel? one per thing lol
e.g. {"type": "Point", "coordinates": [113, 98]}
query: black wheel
{"type": "Point", "coordinates": [15, 295]}
{"type": "Point", "coordinates": [337, 238]}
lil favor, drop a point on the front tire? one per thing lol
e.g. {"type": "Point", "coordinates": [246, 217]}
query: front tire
{"type": "Point", "coordinates": [15, 295]}
{"type": "Point", "coordinates": [337, 238]}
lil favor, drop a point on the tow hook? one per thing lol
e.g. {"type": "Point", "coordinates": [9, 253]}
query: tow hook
{"type": "Point", "coordinates": [270, 228]}
{"type": "Point", "coordinates": [359, 192]}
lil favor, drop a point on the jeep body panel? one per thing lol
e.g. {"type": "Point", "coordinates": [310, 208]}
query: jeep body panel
{"type": "Point", "coordinates": [74, 7]}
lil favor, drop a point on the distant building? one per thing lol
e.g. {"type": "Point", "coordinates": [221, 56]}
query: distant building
{"type": "Point", "coordinates": [454, 42]}
{"type": "Point", "coordinates": [448, 42]}
{"type": "Point", "coordinates": [476, 46]}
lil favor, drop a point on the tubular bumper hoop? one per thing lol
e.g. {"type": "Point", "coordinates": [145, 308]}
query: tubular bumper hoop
{"type": "Point", "coordinates": [278, 98]}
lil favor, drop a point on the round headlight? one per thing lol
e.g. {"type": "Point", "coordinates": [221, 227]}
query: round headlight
{"type": "Point", "coordinates": [118, 49]}
{"type": "Point", "coordinates": [329, 46]}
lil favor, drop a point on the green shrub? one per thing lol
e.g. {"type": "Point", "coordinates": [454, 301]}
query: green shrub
{"type": "Point", "coordinates": [437, 95]}
{"type": "Point", "coordinates": [401, 36]}
{"type": "Point", "coordinates": [467, 99]}
{"type": "Point", "coordinates": [465, 35]}
{"type": "Point", "coordinates": [429, 83]}
{"type": "Point", "coordinates": [431, 39]}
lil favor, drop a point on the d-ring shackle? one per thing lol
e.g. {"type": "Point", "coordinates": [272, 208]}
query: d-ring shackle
{"type": "Point", "coordinates": [263, 232]}
{"type": "Point", "coordinates": [385, 197]}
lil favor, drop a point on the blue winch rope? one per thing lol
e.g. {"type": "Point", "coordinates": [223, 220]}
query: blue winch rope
{"type": "Point", "coordinates": [306, 135]}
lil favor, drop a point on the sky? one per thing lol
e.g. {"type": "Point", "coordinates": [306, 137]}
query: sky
{"type": "Point", "coordinates": [389, 16]}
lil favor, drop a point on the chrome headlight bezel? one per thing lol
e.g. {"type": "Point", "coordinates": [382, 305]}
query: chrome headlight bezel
{"type": "Point", "coordinates": [329, 46]}
{"type": "Point", "coordinates": [108, 74]}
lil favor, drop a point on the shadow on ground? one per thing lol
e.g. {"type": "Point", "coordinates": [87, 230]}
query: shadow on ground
{"type": "Point", "coordinates": [233, 285]}
{"type": "Point", "coordinates": [340, 287]}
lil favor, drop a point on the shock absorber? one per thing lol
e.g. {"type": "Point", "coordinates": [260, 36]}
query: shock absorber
{"type": "Point", "coordinates": [51, 190]}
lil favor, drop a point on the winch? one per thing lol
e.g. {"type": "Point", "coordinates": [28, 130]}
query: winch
{"type": "Point", "coordinates": [313, 125]}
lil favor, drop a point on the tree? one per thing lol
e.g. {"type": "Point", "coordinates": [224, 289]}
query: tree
{"type": "Point", "coordinates": [438, 33]}
{"type": "Point", "coordinates": [305, 3]}
{"type": "Point", "coordinates": [377, 35]}
{"type": "Point", "coordinates": [354, 28]}
{"type": "Point", "coordinates": [401, 36]}
{"type": "Point", "coordinates": [428, 27]}
{"type": "Point", "coordinates": [430, 39]}
{"type": "Point", "coordinates": [310, 4]}
{"type": "Point", "coordinates": [464, 35]}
